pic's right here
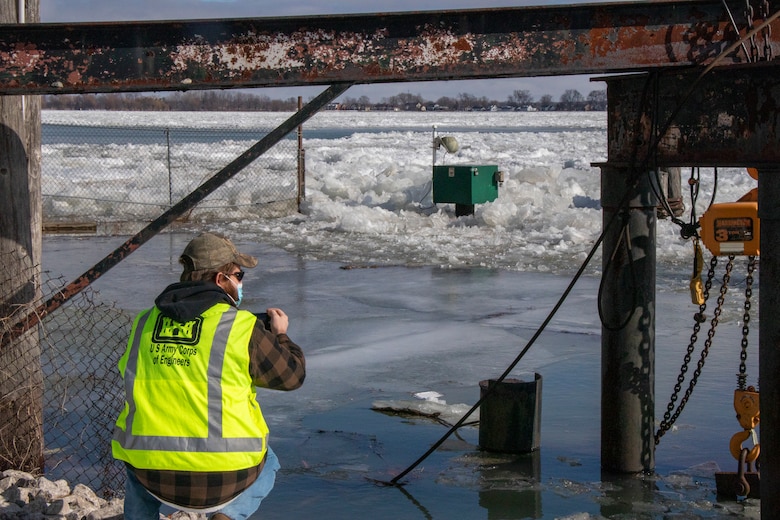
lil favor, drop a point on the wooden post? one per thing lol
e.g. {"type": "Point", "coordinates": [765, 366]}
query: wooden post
{"type": "Point", "coordinates": [21, 382]}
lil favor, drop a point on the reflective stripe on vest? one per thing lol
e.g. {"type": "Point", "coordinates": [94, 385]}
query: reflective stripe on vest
{"type": "Point", "coordinates": [215, 442]}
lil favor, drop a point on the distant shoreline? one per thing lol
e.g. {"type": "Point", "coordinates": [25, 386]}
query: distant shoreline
{"type": "Point", "coordinates": [236, 101]}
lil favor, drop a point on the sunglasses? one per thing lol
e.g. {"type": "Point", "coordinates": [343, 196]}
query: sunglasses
{"type": "Point", "coordinates": [238, 274]}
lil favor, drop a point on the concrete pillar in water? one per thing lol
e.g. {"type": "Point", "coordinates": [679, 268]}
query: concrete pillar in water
{"type": "Point", "coordinates": [627, 302]}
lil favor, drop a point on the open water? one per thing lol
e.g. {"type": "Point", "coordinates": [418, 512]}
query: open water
{"type": "Point", "coordinates": [386, 333]}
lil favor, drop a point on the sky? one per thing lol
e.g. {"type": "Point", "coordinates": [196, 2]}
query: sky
{"type": "Point", "coordinates": [496, 89]}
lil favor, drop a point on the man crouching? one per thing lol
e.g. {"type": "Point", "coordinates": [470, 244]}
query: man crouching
{"type": "Point", "coordinates": [191, 433]}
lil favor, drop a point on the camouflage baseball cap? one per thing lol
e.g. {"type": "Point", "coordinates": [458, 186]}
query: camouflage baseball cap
{"type": "Point", "coordinates": [211, 251]}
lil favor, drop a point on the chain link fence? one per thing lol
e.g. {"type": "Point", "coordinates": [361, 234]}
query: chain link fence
{"type": "Point", "coordinates": [21, 383]}
{"type": "Point", "coordinates": [60, 388]}
{"type": "Point", "coordinates": [109, 177]}
{"type": "Point", "coordinates": [82, 393]}
{"type": "Point", "coordinates": [103, 177]}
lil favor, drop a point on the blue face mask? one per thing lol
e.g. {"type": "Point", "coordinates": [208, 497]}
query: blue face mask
{"type": "Point", "coordinates": [239, 291]}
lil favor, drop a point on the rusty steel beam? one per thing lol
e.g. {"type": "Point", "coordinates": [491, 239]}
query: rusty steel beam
{"type": "Point", "coordinates": [726, 118]}
{"type": "Point", "coordinates": [370, 48]}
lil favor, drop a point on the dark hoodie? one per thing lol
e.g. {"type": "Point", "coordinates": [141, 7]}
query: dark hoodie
{"type": "Point", "coordinates": [185, 301]}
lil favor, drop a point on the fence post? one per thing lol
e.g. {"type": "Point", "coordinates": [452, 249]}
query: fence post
{"type": "Point", "coordinates": [301, 162]}
{"type": "Point", "coordinates": [170, 175]}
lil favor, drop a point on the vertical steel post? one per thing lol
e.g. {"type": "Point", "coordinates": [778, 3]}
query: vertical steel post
{"type": "Point", "coordinates": [170, 173]}
{"type": "Point", "coordinates": [627, 300]}
{"type": "Point", "coordinates": [769, 340]}
{"type": "Point", "coordinates": [301, 196]}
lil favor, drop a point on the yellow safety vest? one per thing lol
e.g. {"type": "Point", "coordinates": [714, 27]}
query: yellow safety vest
{"type": "Point", "coordinates": [190, 402]}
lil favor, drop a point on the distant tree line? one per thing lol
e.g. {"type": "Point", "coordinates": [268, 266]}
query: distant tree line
{"type": "Point", "coordinates": [519, 100]}
{"type": "Point", "coordinates": [205, 100]}
{"type": "Point", "coordinates": [235, 101]}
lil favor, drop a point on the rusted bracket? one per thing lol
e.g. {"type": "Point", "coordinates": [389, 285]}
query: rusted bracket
{"type": "Point", "coordinates": [370, 48]}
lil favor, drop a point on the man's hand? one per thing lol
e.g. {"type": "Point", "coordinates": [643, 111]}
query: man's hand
{"type": "Point", "coordinates": [279, 320]}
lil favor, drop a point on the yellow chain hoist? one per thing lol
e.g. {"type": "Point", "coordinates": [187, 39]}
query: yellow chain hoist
{"type": "Point", "coordinates": [734, 229]}
{"type": "Point", "coordinates": [728, 229]}
{"type": "Point", "coordinates": [746, 404]}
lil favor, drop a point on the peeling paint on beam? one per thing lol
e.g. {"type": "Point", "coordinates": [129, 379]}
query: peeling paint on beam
{"type": "Point", "coordinates": [739, 127]}
{"type": "Point", "coordinates": [397, 47]}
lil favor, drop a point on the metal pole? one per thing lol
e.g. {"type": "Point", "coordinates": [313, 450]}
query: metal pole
{"type": "Point", "coordinates": [434, 145]}
{"type": "Point", "coordinates": [769, 340]}
{"type": "Point", "coordinates": [627, 300]}
{"type": "Point", "coordinates": [170, 174]}
{"type": "Point", "coordinates": [301, 162]}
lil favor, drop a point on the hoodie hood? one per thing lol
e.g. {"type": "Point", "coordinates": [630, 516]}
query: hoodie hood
{"type": "Point", "coordinates": [185, 301]}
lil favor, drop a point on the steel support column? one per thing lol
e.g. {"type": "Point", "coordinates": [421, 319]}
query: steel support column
{"type": "Point", "coordinates": [627, 301]}
{"type": "Point", "coordinates": [769, 340]}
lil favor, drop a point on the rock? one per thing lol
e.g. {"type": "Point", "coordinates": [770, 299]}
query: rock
{"type": "Point", "coordinates": [18, 495]}
{"type": "Point", "coordinates": [183, 515]}
{"type": "Point", "coordinates": [10, 511]}
{"type": "Point", "coordinates": [25, 497]}
{"type": "Point", "coordinates": [87, 495]}
{"type": "Point", "coordinates": [23, 478]}
{"type": "Point", "coordinates": [58, 507]}
{"type": "Point", "coordinates": [52, 490]}
{"type": "Point", "coordinates": [113, 511]}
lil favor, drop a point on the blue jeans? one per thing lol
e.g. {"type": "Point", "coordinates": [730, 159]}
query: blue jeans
{"type": "Point", "coordinates": [142, 505]}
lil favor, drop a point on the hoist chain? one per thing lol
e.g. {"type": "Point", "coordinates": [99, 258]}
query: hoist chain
{"type": "Point", "coordinates": [742, 376]}
{"type": "Point", "coordinates": [749, 20]}
{"type": "Point", "coordinates": [766, 32]}
{"type": "Point", "coordinates": [669, 417]}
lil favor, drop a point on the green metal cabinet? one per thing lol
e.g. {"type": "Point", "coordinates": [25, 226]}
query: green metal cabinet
{"type": "Point", "coordinates": [465, 184]}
